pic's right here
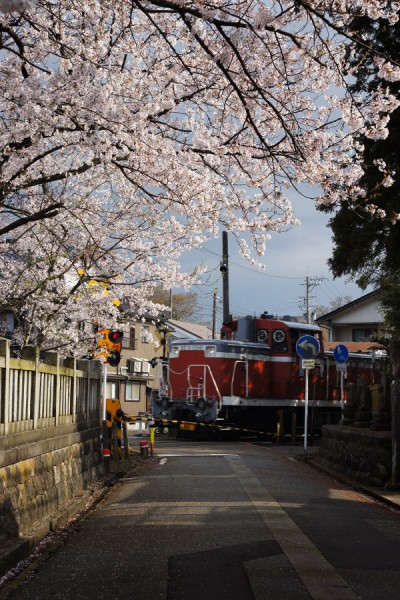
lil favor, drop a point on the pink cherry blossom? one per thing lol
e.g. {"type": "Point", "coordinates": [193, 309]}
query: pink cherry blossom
{"type": "Point", "coordinates": [131, 132]}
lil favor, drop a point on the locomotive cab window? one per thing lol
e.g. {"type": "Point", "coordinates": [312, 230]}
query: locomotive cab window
{"type": "Point", "coordinates": [174, 352]}
{"type": "Point", "coordinates": [295, 334]}
{"type": "Point", "coordinates": [279, 341]}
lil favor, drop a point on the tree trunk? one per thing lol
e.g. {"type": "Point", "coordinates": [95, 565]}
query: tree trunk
{"type": "Point", "coordinates": [395, 356]}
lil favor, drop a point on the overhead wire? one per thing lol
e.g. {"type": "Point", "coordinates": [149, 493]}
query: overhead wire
{"type": "Point", "coordinates": [328, 287]}
{"type": "Point", "coordinates": [251, 269]}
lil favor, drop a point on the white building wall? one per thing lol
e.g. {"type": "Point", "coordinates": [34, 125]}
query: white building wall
{"type": "Point", "coordinates": [368, 314]}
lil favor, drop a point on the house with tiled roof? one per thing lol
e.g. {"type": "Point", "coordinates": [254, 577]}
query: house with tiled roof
{"type": "Point", "coordinates": [362, 347]}
{"type": "Point", "coordinates": [357, 322]}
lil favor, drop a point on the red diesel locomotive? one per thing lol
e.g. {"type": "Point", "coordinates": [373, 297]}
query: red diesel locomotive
{"type": "Point", "coordinates": [251, 373]}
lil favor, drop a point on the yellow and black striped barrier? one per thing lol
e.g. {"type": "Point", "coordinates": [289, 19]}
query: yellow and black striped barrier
{"type": "Point", "coordinates": [194, 425]}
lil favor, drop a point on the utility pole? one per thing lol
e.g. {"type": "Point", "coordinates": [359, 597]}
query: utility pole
{"type": "Point", "coordinates": [214, 319]}
{"type": "Point", "coordinates": [224, 268]}
{"type": "Point", "coordinates": [310, 284]}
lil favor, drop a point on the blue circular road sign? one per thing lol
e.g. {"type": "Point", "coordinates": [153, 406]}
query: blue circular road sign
{"type": "Point", "coordinates": [307, 347]}
{"type": "Point", "coordinates": [341, 353]}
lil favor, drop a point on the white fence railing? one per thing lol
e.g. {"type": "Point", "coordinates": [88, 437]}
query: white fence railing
{"type": "Point", "coordinates": [37, 392]}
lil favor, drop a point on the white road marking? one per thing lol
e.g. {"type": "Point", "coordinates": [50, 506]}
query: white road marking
{"type": "Point", "coordinates": [321, 579]}
{"type": "Point", "coordinates": [194, 455]}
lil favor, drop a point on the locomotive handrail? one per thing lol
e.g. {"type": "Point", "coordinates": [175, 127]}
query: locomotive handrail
{"type": "Point", "coordinates": [169, 370]}
{"type": "Point", "coordinates": [247, 376]}
{"type": "Point", "coordinates": [205, 368]}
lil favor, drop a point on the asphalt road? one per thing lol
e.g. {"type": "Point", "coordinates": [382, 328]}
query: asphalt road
{"type": "Point", "coordinates": [226, 521]}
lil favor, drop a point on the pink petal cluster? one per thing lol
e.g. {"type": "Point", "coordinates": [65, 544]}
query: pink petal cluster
{"type": "Point", "coordinates": [131, 132]}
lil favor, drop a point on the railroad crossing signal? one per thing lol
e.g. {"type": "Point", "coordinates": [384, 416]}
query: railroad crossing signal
{"type": "Point", "coordinates": [110, 345]}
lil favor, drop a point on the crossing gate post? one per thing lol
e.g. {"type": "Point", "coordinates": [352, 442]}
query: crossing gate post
{"type": "Point", "coordinates": [144, 449]}
{"type": "Point", "coordinates": [152, 432]}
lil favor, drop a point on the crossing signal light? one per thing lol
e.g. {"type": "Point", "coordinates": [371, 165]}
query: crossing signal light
{"type": "Point", "coordinates": [115, 336]}
{"type": "Point", "coordinates": [111, 345]}
{"type": "Point", "coordinates": [114, 358]}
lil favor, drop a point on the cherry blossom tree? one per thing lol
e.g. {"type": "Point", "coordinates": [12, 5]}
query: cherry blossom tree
{"type": "Point", "coordinates": [132, 131]}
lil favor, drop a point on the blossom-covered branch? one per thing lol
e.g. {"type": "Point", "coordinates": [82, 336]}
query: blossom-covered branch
{"type": "Point", "coordinates": [150, 125]}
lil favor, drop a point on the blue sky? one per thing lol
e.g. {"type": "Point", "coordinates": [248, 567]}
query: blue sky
{"type": "Point", "coordinates": [289, 257]}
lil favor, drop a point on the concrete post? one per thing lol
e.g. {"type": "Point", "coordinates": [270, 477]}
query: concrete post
{"type": "Point", "coordinates": [70, 363]}
{"type": "Point", "coordinates": [88, 391]}
{"type": "Point", "coordinates": [81, 365]}
{"type": "Point", "coordinates": [5, 353]}
{"type": "Point", "coordinates": [53, 359]}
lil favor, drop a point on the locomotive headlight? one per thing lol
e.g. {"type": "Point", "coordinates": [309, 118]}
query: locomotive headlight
{"type": "Point", "coordinates": [278, 336]}
{"type": "Point", "coordinates": [262, 335]}
{"type": "Point", "coordinates": [210, 351]}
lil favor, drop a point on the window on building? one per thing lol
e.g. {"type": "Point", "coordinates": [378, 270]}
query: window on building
{"type": "Point", "coordinates": [129, 340]}
{"type": "Point", "coordinates": [112, 390]}
{"type": "Point", "coordinates": [362, 335]}
{"type": "Point", "coordinates": [132, 391]}
{"type": "Point", "coordinates": [147, 337]}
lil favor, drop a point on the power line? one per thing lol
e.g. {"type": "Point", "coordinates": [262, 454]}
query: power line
{"type": "Point", "coordinates": [250, 269]}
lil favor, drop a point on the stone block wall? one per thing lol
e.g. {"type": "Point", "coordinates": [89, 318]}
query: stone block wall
{"type": "Point", "coordinates": [51, 479]}
{"type": "Point", "coordinates": [359, 454]}
{"type": "Point", "coordinates": [35, 492]}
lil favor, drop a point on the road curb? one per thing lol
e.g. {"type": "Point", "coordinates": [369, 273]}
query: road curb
{"type": "Point", "coordinates": [390, 499]}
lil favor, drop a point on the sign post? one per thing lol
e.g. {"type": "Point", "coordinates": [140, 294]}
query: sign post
{"type": "Point", "coordinates": [341, 356]}
{"type": "Point", "coordinates": [307, 347]}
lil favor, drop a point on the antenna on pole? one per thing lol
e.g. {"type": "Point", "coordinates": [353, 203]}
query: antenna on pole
{"type": "Point", "coordinates": [224, 268]}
